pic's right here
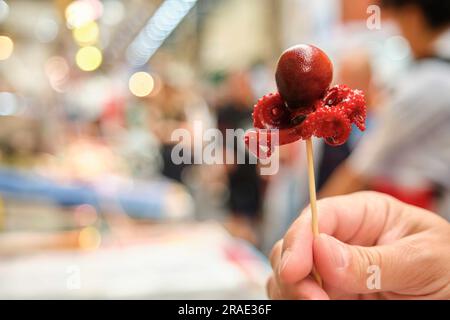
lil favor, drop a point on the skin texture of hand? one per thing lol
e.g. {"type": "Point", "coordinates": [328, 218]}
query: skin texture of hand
{"type": "Point", "coordinates": [408, 245]}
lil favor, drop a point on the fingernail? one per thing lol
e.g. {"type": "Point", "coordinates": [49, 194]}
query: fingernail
{"type": "Point", "coordinates": [339, 252]}
{"type": "Point", "coordinates": [284, 261]}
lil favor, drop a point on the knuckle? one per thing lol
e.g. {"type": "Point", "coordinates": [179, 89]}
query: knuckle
{"type": "Point", "coordinates": [285, 277]}
{"type": "Point", "coordinates": [366, 258]}
{"type": "Point", "coordinates": [413, 254]}
{"type": "Point", "coordinates": [275, 254]}
{"type": "Point", "coordinates": [292, 232]}
{"type": "Point", "coordinates": [286, 292]}
{"type": "Point", "coordinates": [269, 287]}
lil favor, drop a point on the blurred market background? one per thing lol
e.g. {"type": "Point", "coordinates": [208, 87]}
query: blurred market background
{"type": "Point", "coordinates": [91, 205]}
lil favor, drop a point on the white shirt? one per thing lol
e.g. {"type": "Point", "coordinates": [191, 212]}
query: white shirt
{"type": "Point", "coordinates": [411, 143]}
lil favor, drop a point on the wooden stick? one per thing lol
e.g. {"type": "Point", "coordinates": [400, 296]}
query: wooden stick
{"type": "Point", "coordinates": [312, 199]}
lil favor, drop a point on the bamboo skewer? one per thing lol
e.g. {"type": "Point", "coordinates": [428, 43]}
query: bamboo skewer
{"type": "Point", "coordinates": [312, 199]}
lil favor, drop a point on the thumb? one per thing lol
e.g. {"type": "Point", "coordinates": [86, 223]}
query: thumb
{"type": "Point", "coordinates": [357, 269]}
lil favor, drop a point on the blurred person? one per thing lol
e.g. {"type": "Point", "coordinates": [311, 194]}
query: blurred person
{"type": "Point", "coordinates": [244, 182]}
{"type": "Point", "coordinates": [165, 115]}
{"type": "Point", "coordinates": [355, 70]}
{"type": "Point", "coordinates": [408, 245]}
{"type": "Point", "coordinates": [176, 107]}
{"type": "Point", "coordinates": [408, 154]}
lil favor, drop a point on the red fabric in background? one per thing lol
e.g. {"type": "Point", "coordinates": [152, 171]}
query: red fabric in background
{"type": "Point", "coordinates": [420, 197]}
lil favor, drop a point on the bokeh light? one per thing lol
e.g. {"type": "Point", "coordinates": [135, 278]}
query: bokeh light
{"type": "Point", "coordinates": [57, 70]}
{"type": "Point", "coordinates": [113, 12]}
{"type": "Point", "coordinates": [79, 13]}
{"type": "Point", "coordinates": [89, 238]}
{"type": "Point", "coordinates": [85, 215]}
{"type": "Point", "coordinates": [4, 10]}
{"type": "Point", "coordinates": [89, 58]}
{"type": "Point", "coordinates": [6, 47]}
{"type": "Point", "coordinates": [86, 34]}
{"type": "Point", "coordinates": [141, 84]}
{"type": "Point", "coordinates": [46, 30]}
{"type": "Point", "coordinates": [8, 104]}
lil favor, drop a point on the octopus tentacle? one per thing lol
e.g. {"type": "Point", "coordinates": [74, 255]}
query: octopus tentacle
{"type": "Point", "coordinates": [329, 117]}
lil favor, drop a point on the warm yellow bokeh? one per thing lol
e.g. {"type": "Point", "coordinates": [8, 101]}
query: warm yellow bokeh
{"type": "Point", "coordinates": [87, 34]}
{"type": "Point", "coordinates": [89, 238]}
{"type": "Point", "coordinates": [89, 58]}
{"type": "Point", "coordinates": [141, 84]}
{"type": "Point", "coordinates": [6, 47]}
{"type": "Point", "coordinates": [78, 13]}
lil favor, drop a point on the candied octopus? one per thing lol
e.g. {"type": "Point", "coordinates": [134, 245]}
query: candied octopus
{"type": "Point", "coordinates": [305, 104]}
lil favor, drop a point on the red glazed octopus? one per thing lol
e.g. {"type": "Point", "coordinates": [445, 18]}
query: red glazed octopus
{"type": "Point", "coordinates": [305, 105]}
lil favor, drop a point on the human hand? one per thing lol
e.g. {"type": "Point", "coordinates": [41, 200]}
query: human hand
{"type": "Point", "coordinates": [409, 246]}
